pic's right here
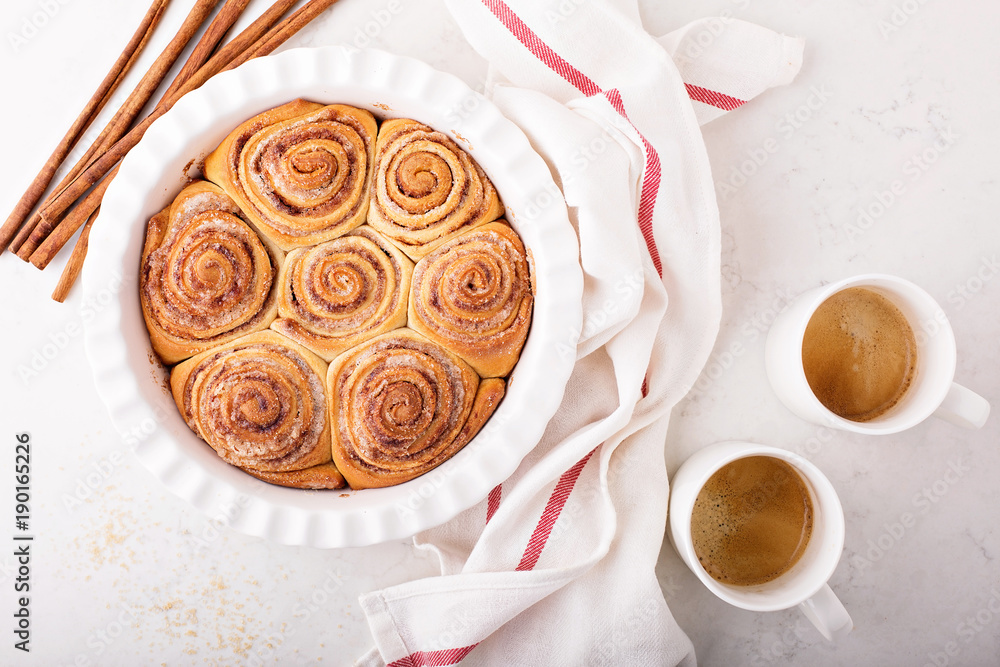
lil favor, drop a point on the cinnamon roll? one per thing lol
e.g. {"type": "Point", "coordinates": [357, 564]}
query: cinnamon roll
{"type": "Point", "coordinates": [340, 293]}
{"type": "Point", "coordinates": [260, 403]}
{"type": "Point", "coordinates": [402, 405]}
{"type": "Point", "coordinates": [426, 189]}
{"type": "Point", "coordinates": [301, 171]}
{"type": "Point", "coordinates": [473, 296]}
{"type": "Point", "coordinates": [205, 276]}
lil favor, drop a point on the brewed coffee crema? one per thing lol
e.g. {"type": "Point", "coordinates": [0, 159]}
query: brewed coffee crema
{"type": "Point", "coordinates": [859, 354]}
{"type": "Point", "coordinates": [751, 521]}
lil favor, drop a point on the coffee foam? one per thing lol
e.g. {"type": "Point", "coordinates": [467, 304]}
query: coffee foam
{"type": "Point", "coordinates": [859, 354]}
{"type": "Point", "coordinates": [752, 521]}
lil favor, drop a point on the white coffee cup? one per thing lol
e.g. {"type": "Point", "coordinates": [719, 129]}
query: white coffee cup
{"type": "Point", "coordinates": [932, 390]}
{"type": "Point", "coordinates": [805, 583]}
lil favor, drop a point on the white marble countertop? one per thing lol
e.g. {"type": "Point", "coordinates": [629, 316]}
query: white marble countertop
{"type": "Point", "coordinates": [896, 101]}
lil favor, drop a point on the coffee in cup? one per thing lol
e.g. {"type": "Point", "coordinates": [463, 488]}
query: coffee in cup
{"type": "Point", "coordinates": [859, 354]}
{"type": "Point", "coordinates": [766, 499]}
{"type": "Point", "coordinates": [751, 521]}
{"type": "Point", "coordinates": [900, 371]}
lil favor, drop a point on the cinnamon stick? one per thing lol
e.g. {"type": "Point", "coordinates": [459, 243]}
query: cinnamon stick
{"type": "Point", "coordinates": [82, 163]}
{"type": "Point", "coordinates": [233, 54]}
{"type": "Point", "coordinates": [75, 219]}
{"type": "Point", "coordinates": [246, 40]}
{"type": "Point", "coordinates": [261, 37]}
{"type": "Point", "coordinates": [284, 31]}
{"type": "Point", "coordinates": [91, 109]}
{"type": "Point", "coordinates": [214, 34]}
{"type": "Point", "coordinates": [123, 119]}
{"type": "Point", "coordinates": [75, 263]}
{"type": "Point", "coordinates": [57, 206]}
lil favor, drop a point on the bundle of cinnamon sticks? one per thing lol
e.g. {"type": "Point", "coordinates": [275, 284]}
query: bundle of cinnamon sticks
{"type": "Point", "coordinates": [37, 229]}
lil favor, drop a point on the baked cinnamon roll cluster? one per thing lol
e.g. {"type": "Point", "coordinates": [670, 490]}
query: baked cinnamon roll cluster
{"type": "Point", "coordinates": [342, 299]}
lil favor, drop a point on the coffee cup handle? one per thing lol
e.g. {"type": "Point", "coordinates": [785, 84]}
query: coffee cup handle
{"type": "Point", "coordinates": [964, 407]}
{"type": "Point", "coordinates": [828, 614]}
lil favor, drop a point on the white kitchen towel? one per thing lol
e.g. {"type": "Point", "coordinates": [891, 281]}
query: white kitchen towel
{"type": "Point", "coordinates": [726, 62]}
{"type": "Point", "coordinates": [556, 566]}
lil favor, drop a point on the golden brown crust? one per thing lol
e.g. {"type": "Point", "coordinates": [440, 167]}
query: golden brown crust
{"type": "Point", "coordinates": [338, 294]}
{"type": "Point", "coordinates": [491, 391]}
{"type": "Point", "coordinates": [426, 189]}
{"type": "Point", "coordinates": [473, 296]}
{"type": "Point", "coordinates": [205, 277]}
{"type": "Point", "coordinates": [400, 403]}
{"type": "Point", "coordinates": [156, 228]}
{"type": "Point", "coordinates": [323, 476]}
{"type": "Point", "coordinates": [258, 401]}
{"type": "Point", "coordinates": [301, 172]}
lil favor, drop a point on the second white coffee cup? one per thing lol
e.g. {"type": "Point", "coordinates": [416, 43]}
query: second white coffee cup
{"type": "Point", "coordinates": [805, 584]}
{"type": "Point", "coordinates": [932, 390]}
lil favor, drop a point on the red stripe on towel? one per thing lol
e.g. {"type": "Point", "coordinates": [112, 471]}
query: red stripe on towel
{"type": "Point", "coordinates": [540, 49]}
{"type": "Point", "coordinates": [493, 502]}
{"type": "Point", "coordinates": [650, 184]}
{"type": "Point", "coordinates": [434, 658]}
{"type": "Point", "coordinates": [553, 508]}
{"type": "Point", "coordinates": [714, 98]}
{"type": "Point", "coordinates": [583, 83]}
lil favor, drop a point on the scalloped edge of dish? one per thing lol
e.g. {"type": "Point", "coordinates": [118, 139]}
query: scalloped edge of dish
{"type": "Point", "coordinates": [132, 384]}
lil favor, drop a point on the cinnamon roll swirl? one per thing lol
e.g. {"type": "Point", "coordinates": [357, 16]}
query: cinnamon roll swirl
{"type": "Point", "coordinates": [301, 171]}
{"type": "Point", "coordinates": [402, 405]}
{"type": "Point", "coordinates": [205, 276]}
{"type": "Point", "coordinates": [473, 296]}
{"type": "Point", "coordinates": [260, 403]}
{"type": "Point", "coordinates": [426, 189]}
{"type": "Point", "coordinates": [340, 293]}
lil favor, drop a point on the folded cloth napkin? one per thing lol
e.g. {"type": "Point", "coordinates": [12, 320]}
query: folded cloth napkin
{"type": "Point", "coordinates": [556, 566]}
